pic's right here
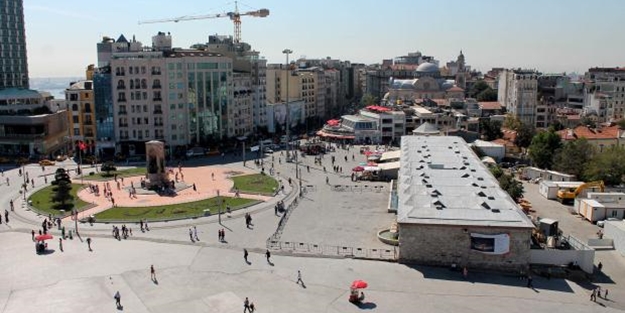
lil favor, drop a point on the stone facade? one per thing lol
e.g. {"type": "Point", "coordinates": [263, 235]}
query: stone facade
{"type": "Point", "coordinates": [443, 245]}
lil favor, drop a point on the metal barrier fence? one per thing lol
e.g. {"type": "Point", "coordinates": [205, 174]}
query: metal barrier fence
{"type": "Point", "coordinates": [336, 251]}
{"type": "Point", "coordinates": [358, 188]}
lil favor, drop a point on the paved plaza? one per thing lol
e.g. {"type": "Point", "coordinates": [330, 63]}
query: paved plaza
{"type": "Point", "coordinates": [212, 276]}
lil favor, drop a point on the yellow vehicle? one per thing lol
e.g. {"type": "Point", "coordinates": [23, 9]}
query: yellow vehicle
{"type": "Point", "coordinates": [567, 195]}
{"type": "Point", "coordinates": [46, 162]}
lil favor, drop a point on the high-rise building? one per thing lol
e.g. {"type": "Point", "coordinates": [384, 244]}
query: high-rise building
{"type": "Point", "coordinates": [604, 93]}
{"type": "Point", "coordinates": [13, 62]}
{"type": "Point", "coordinates": [518, 92]}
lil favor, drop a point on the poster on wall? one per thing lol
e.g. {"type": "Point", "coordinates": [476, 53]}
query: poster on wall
{"type": "Point", "coordinates": [490, 244]}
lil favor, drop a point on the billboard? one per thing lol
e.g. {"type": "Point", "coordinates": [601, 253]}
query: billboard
{"type": "Point", "coordinates": [490, 244]}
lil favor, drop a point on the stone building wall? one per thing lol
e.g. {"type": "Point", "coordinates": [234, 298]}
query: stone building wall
{"type": "Point", "coordinates": [443, 245]}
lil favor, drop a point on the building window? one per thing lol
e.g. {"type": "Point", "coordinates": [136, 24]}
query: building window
{"type": "Point", "coordinates": [75, 107]}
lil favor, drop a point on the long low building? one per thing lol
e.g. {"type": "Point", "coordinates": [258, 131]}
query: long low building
{"type": "Point", "coordinates": [451, 210]}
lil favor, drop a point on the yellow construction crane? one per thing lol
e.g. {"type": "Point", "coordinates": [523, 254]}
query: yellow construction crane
{"type": "Point", "coordinates": [235, 17]}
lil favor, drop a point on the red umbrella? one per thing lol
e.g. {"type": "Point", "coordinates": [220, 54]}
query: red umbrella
{"type": "Point", "coordinates": [43, 237]}
{"type": "Point", "coordinates": [359, 284]}
{"type": "Point", "coordinates": [372, 164]}
{"type": "Point", "coordinates": [358, 169]}
{"type": "Point", "coordinates": [368, 153]}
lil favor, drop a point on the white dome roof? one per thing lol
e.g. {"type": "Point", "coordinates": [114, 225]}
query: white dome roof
{"type": "Point", "coordinates": [427, 68]}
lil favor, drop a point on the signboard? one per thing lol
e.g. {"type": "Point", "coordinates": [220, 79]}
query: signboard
{"type": "Point", "coordinates": [490, 244]}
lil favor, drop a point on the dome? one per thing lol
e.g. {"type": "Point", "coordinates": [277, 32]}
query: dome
{"type": "Point", "coordinates": [427, 68]}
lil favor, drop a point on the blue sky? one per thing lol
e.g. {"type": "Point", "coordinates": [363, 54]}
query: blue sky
{"type": "Point", "coordinates": [548, 35]}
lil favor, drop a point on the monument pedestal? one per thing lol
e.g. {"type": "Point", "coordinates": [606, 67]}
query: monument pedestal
{"type": "Point", "coordinates": [157, 176]}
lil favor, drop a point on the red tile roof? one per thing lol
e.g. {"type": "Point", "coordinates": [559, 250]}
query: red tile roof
{"type": "Point", "coordinates": [581, 131]}
{"type": "Point", "coordinates": [509, 134]}
{"type": "Point", "coordinates": [455, 89]}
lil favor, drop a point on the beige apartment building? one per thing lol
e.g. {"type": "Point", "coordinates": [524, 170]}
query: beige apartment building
{"type": "Point", "coordinates": [79, 99]}
{"type": "Point", "coordinates": [307, 84]}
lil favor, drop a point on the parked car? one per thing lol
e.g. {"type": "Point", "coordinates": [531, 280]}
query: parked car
{"type": "Point", "coordinates": [197, 151]}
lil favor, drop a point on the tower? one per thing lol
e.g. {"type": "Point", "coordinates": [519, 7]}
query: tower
{"type": "Point", "coordinates": [14, 69]}
{"type": "Point", "coordinates": [461, 75]}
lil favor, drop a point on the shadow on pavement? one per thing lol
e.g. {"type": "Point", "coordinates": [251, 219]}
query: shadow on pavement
{"type": "Point", "coordinates": [555, 284]}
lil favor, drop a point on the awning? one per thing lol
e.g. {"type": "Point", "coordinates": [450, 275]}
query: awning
{"type": "Point", "coordinates": [321, 133]}
{"type": "Point", "coordinates": [389, 166]}
{"type": "Point", "coordinates": [390, 155]}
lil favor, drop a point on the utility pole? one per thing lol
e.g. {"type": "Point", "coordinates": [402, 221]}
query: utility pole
{"type": "Point", "coordinates": [288, 111]}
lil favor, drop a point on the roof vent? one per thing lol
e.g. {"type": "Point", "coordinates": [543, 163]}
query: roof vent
{"type": "Point", "coordinates": [481, 194]}
{"type": "Point", "coordinates": [491, 198]}
{"type": "Point", "coordinates": [495, 210]}
{"type": "Point", "coordinates": [480, 178]}
{"type": "Point", "coordinates": [475, 185]}
{"type": "Point", "coordinates": [486, 206]}
{"type": "Point", "coordinates": [428, 185]}
{"type": "Point", "coordinates": [466, 175]}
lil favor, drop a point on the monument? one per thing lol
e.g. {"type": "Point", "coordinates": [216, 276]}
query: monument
{"type": "Point", "coordinates": [157, 175]}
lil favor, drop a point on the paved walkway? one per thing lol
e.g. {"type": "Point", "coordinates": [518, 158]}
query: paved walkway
{"type": "Point", "coordinates": [209, 181]}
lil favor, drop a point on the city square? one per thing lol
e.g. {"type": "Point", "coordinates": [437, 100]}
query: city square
{"type": "Point", "coordinates": [213, 275]}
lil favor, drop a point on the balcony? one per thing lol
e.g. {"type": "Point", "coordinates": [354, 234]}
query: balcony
{"type": "Point", "coordinates": [156, 87]}
{"type": "Point", "coordinates": [121, 87]}
{"type": "Point", "coordinates": [121, 100]}
{"type": "Point", "coordinates": [123, 125]}
{"type": "Point", "coordinates": [156, 72]}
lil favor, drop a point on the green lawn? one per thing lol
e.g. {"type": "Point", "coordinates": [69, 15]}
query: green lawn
{"type": "Point", "coordinates": [191, 209]}
{"type": "Point", "coordinates": [41, 199]}
{"type": "Point", "coordinates": [256, 183]}
{"type": "Point", "coordinates": [103, 176]}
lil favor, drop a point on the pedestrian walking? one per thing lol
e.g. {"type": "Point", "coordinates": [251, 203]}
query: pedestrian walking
{"type": "Point", "coordinates": [152, 273]}
{"type": "Point", "coordinates": [118, 299]}
{"type": "Point", "coordinates": [268, 255]}
{"type": "Point", "coordinates": [195, 233]}
{"type": "Point", "coordinates": [194, 187]}
{"type": "Point", "coordinates": [299, 278]}
{"type": "Point", "coordinates": [32, 234]}
{"type": "Point", "coordinates": [605, 296]}
{"type": "Point", "coordinates": [6, 216]}
{"type": "Point", "coordinates": [61, 244]}
{"type": "Point", "coordinates": [465, 272]}
{"type": "Point", "coordinates": [191, 235]}
{"type": "Point", "coordinates": [599, 266]}
{"type": "Point", "coordinates": [219, 235]}
{"type": "Point", "coordinates": [593, 295]}
{"type": "Point", "coordinates": [89, 244]}
{"type": "Point", "coordinates": [245, 254]}
{"type": "Point", "coordinates": [529, 282]}
{"type": "Point", "coordinates": [246, 305]}
{"type": "Point", "coordinates": [12, 205]}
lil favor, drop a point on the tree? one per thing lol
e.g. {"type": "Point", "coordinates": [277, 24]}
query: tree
{"type": "Point", "coordinates": [496, 171]}
{"type": "Point", "coordinates": [512, 186]}
{"type": "Point", "coordinates": [490, 130]}
{"type": "Point", "coordinates": [587, 121]}
{"type": "Point", "coordinates": [62, 195]}
{"type": "Point", "coordinates": [573, 157]}
{"type": "Point", "coordinates": [488, 94]}
{"type": "Point", "coordinates": [512, 122]}
{"type": "Point", "coordinates": [368, 99]}
{"type": "Point", "coordinates": [524, 135]}
{"type": "Point", "coordinates": [621, 124]}
{"type": "Point", "coordinates": [108, 167]}
{"type": "Point", "coordinates": [607, 166]}
{"type": "Point", "coordinates": [556, 125]}
{"type": "Point", "coordinates": [477, 88]}
{"type": "Point", "coordinates": [61, 175]}
{"type": "Point", "coordinates": [543, 148]}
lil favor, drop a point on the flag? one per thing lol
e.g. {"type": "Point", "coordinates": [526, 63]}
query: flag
{"type": "Point", "coordinates": [82, 146]}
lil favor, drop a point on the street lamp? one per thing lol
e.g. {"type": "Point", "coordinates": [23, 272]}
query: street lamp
{"type": "Point", "coordinates": [288, 112]}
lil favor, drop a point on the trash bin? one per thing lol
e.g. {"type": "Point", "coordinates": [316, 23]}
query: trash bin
{"type": "Point", "coordinates": [207, 212]}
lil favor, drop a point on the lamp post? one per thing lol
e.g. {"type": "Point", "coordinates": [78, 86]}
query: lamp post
{"type": "Point", "coordinates": [288, 112]}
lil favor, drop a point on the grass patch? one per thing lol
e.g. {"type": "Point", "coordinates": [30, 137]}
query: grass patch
{"type": "Point", "coordinates": [103, 176]}
{"type": "Point", "coordinates": [41, 200]}
{"type": "Point", "coordinates": [181, 210]}
{"type": "Point", "coordinates": [255, 183]}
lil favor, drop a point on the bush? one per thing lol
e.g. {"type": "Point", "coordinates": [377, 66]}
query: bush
{"type": "Point", "coordinates": [91, 173]}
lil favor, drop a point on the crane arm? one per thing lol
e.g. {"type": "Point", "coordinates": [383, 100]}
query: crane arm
{"type": "Point", "coordinates": [186, 18]}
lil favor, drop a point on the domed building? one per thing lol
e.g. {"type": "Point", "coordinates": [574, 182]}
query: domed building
{"type": "Point", "coordinates": [427, 84]}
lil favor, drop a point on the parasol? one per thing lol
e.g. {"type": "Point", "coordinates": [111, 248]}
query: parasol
{"type": "Point", "coordinates": [359, 284]}
{"type": "Point", "coordinates": [43, 237]}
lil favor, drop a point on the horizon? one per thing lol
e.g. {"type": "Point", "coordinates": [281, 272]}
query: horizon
{"type": "Point", "coordinates": [563, 36]}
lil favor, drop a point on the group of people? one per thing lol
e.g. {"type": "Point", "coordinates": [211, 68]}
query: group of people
{"type": "Point", "coordinates": [597, 293]}
{"type": "Point", "coordinates": [125, 232]}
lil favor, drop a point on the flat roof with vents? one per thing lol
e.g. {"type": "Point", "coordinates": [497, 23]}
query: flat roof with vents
{"type": "Point", "coordinates": [455, 187]}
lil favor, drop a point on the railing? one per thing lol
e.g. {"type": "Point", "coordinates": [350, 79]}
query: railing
{"type": "Point", "coordinates": [333, 251]}
{"type": "Point", "coordinates": [358, 188]}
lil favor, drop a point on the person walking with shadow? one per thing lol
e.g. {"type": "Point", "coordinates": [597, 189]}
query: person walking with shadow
{"type": "Point", "coordinates": [89, 244]}
{"type": "Point", "coordinates": [268, 255]}
{"type": "Point", "coordinates": [299, 278]}
{"type": "Point", "coordinates": [245, 254]}
{"type": "Point", "coordinates": [118, 299]}
{"type": "Point", "coordinates": [529, 282]}
{"type": "Point", "coordinates": [246, 305]}
{"type": "Point", "coordinates": [152, 273]}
